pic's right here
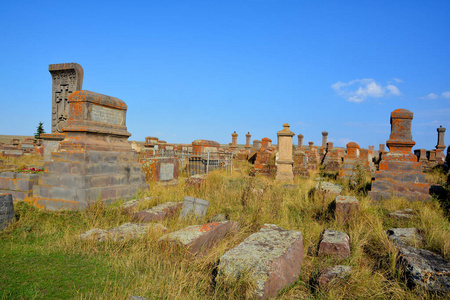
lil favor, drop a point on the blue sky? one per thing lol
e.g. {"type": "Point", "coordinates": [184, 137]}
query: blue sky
{"type": "Point", "coordinates": [203, 69]}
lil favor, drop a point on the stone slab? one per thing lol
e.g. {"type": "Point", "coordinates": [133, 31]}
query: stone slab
{"type": "Point", "coordinates": [272, 257]}
{"type": "Point", "coordinates": [329, 187]}
{"type": "Point", "coordinates": [425, 269]}
{"type": "Point", "coordinates": [193, 208]}
{"type": "Point", "coordinates": [6, 210]}
{"type": "Point", "coordinates": [339, 272]}
{"type": "Point", "coordinates": [198, 239]}
{"type": "Point", "coordinates": [159, 212]}
{"type": "Point", "coordinates": [405, 236]}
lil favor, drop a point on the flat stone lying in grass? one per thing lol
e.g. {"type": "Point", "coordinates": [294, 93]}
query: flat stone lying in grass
{"type": "Point", "coordinates": [198, 239]}
{"type": "Point", "coordinates": [329, 187]}
{"type": "Point", "coordinates": [127, 230]}
{"type": "Point", "coordinates": [406, 213]}
{"type": "Point", "coordinates": [129, 206]}
{"type": "Point", "coordinates": [404, 236]}
{"type": "Point", "coordinates": [346, 206]}
{"type": "Point", "coordinates": [334, 243]}
{"type": "Point", "coordinates": [159, 212]}
{"type": "Point", "coordinates": [338, 272]}
{"type": "Point", "coordinates": [193, 208]}
{"type": "Point", "coordinates": [425, 269]}
{"type": "Point", "coordinates": [272, 257]}
{"type": "Point", "coordinates": [6, 210]}
{"type": "Point", "coordinates": [195, 181]}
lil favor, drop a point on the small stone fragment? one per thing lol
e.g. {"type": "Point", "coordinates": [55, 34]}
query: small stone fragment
{"type": "Point", "coordinates": [426, 269]}
{"type": "Point", "coordinates": [127, 230]}
{"type": "Point", "coordinates": [193, 207]}
{"type": "Point", "coordinates": [159, 212]}
{"type": "Point", "coordinates": [346, 206]}
{"type": "Point", "coordinates": [406, 213]}
{"type": "Point", "coordinates": [334, 243]}
{"type": "Point", "coordinates": [328, 187]}
{"type": "Point", "coordinates": [272, 257]}
{"type": "Point", "coordinates": [200, 238]}
{"type": "Point", "coordinates": [336, 272]}
{"type": "Point", "coordinates": [404, 236]}
{"type": "Point", "coordinates": [218, 218]}
{"type": "Point", "coordinates": [6, 210]}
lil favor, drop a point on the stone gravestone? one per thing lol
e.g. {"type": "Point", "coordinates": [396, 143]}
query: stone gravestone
{"type": "Point", "coordinates": [94, 162]}
{"type": "Point", "coordinates": [285, 161]}
{"type": "Point", "coordinates": [193, 207]}
{"type": "Point", "coordinates": [400, 174]}
{"type": "Point", "coordinates": [6, 210]}
{"type": "Point", "coordinates": [67, 78]}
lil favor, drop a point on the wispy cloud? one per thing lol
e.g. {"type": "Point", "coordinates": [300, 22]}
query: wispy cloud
{"type": "Point", "coordinates": [433, 96]}
{"type": "Point", "coordinates": [359, 90]}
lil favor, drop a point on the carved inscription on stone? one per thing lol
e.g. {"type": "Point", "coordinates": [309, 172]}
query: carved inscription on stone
{"type": "Point", "coordinates": [166, 171]}
{"type": "Point", "coordinates": [106, 115]}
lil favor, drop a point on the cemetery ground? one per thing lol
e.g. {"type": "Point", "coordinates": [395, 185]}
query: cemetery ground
{"type": "Point", "coordinates": [43, 258]}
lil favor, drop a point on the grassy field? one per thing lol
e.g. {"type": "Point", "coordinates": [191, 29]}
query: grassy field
{"type": "Point", "coordinates": [42, 258]}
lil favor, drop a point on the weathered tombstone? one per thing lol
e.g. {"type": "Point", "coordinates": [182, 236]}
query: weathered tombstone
{"type": "Point", "coordinates": [300, 141]}
{"type": "Point", "coordinates": [193, 207]}
{"type": "Point", "coordinates": [67, 78]}
{"type": "Point", "coordinates": [257, 144]}
{"type": "Point", "coordinates": [334, 243]}
{"type": "Point", "coordinates": [6, 210]}
{"type": "Point", "coordinates": [94, 162]}
{"type": "Point", "coordinates": [440, 147]}
{"type": "Point", "coordinates": [346, 207]}
{"type": "Point", "coordinates": [272, 257]}
{"type": "Point", "coordinates": [400, 174]}
{"type": "Point", "coordinates": [233, 145]}
{"type": "Point", "coordinates": [285, 161]}
{"type": "Point", "coordinates": [348, 170]}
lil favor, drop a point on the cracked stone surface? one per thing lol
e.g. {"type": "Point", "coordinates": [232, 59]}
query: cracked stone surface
{"type": "Point", "coordinates": [272, 257]}
{"type": "Point", "coordinates": [127, 230]}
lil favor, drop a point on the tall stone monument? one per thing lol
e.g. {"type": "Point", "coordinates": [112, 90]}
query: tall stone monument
{"type": "Point", "coordinates": [248, 136]}
{"type": "Point", "coordinates": [400, 174]}
{"type": "Point", "coordinates": [94, 162]}
{"type": "Point", "coordinates": [300, 141]}
{"type": "Point", "coordinates": [285, 161]}
{"type": "Point", "coordinates": [440, 147]}
{"type": "Point", "coordinates": [66, 79]}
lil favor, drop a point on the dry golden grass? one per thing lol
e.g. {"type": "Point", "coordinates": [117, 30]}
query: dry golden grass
{"type": "Point", "coordinates": [160, 271]}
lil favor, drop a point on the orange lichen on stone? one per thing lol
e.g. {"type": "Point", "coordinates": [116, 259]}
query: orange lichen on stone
{"type": "Point", "coordinates": [209, 227]}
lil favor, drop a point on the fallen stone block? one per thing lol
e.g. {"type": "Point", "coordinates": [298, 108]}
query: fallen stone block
{"type": "Point", "coordinates": [6, 210]}
{"type": "Point", "coordinates": [406, 213]}
{"type": "Point", "coordinates": [328, 187]}
{"type": "Point", "coordinates": [193, 208]}
{"type": "Point", "coordinates": [338, 272]}
{"type": "Point", "coordinates": [130, 206]}
{"type": "Point", "coordinates": [198, 239]}
{"type": "Point", "coordinates": [195, 181]}
{"type": "Point", "coordinates": [425, 269]}
{"type": "Point", "coordinates": [334, 243]}
{"type": "Point", "coordinates": [272, 257]}
{"type": "Point", "coordinates": [346, 206]}
{"type": "Point", "coordinates": [127, 230]}
{"type": "Point", "coordinates": [404, 236]}
{"type": "Point", "coordinates": [159, 212]}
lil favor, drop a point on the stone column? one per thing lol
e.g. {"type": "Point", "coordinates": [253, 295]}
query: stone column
{"type": "Point", "coordinates": [66, 79]}
{"type": "Point", "coordinates": [440, 144]}
{"type": "Point", "coordinates": [234, 137]}
{"type": "Point", "coordinates": [247, 140]}
{"type": "Point", "coordinates": [266, 142]}
{"type": "Point", "coordinates": [300, 140]}
{"type": "Point", "coordinates": [285, 162]}
{"type": "Point", "coordinates": [324, 139]}
{"type": "Point", "coordinates": [381, 149]}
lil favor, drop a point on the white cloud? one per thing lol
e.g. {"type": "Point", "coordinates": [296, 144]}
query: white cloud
{"type": "Point", "coordinates": [433, 96]}
{"type": "Point", "coordinates": [398, 80]}
{"type": "Point", "coordinates": [359, 90]}
{"type": "Point", "coordinates": [446, 95]}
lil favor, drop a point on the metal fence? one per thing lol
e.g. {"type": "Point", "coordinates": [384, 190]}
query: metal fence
{"type": "Point", "coordinates": [199, 163]}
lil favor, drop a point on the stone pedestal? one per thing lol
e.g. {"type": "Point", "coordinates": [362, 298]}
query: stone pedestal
{"type": "Point", "coordinates": [233, 144]}
{"type": "Point", "coordinates": [400, 174]}
{"type": "Point", "coordinates": [285, 162]}
{"type": "Point", "coordinates": [300, 141]}
{"type": "Point", "coordinates": [94, 162]}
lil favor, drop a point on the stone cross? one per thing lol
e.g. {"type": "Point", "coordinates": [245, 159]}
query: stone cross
{"type": "Point", "coordinates": [324, 139]}
{"type": "Point", "coordinates": [285, 162]}
{"type": "Point", "coordinates": [66, 79]}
